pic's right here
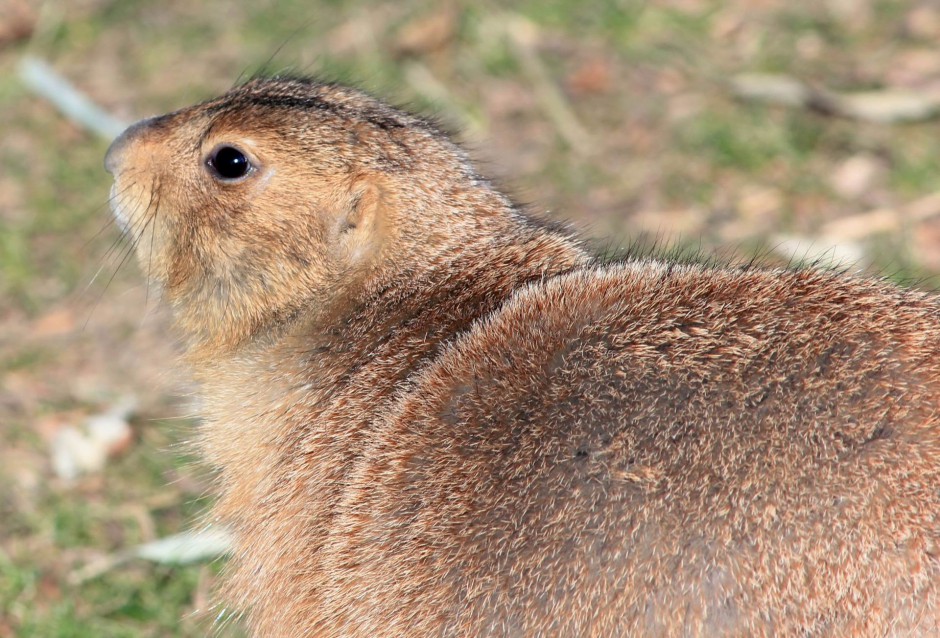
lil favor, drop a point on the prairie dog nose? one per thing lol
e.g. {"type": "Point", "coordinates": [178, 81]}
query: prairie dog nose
{"type": "Point", "coordinates": [115, 155]}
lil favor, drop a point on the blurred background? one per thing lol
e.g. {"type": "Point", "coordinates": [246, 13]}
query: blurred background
{"type": "Point", "coordinates": [791, 130]}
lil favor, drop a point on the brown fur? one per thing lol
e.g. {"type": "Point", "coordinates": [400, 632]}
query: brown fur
{"type": "Point", "coordinates": [434, 416]}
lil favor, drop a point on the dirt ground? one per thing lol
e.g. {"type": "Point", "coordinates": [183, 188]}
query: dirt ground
{"type": "Point", "coordinates": [635, 121]}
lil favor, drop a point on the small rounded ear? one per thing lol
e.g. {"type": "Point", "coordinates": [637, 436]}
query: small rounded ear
{"type": "Point", "coordinates": [364, 205]}
{"type": "Point", "coordinates": [359, 227]}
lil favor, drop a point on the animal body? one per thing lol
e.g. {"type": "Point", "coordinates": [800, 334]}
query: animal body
{"type": "Point", "coordinates": [434, 416]}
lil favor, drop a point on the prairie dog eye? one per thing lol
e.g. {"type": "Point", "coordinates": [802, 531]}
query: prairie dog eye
{"type": "Point", "coordinates": [228, 163]}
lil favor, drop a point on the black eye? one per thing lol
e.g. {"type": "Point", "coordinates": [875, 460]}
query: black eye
{"type": "Point", "coordinates": [229, 163]}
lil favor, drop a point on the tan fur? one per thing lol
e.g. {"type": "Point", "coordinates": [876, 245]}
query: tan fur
{"type": "Point", "coordinates": [434, 416]}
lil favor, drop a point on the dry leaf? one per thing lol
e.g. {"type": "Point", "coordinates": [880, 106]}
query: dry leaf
{"type": "Point", "coordinates": [427, 34]}
{"type": "Point", "coordinates": [759, 201]}
{"type": "Point", "coordinates": [926, 240]}
{"type": "Point", "coordinates": [923, 22]}
{"type": "Point", "coordinates": [591, 77]}
{"type": "Point", "coordinates": [855, 176]}
{"type": "Point", "coordinates": [187, 547]}
{"type": "Point", "coordinates": [54, 323]}
{"type": "Point", "coordinates": [84, 449]}
{"type": "Point", "coordinates": [17, 21]}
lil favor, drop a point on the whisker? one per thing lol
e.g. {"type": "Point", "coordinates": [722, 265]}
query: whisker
{"type": "Point", "coordinates": [110, 220]}
{"type": "Point", "coordinates": [114, 244]}
{"type": "Point", "coordinates": [135, 232]}
{"type": "Point", "coordinates": [126, 254]}
{"type": "Point", "coordinates": [128, 231]}
{"type": "Point", "coordinates": [152, 217]}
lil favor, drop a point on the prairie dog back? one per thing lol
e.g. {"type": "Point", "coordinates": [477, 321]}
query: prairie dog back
{"type": "Point", "coordinates": [433, 415]}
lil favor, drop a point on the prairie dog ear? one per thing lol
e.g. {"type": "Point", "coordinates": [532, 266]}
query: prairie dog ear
{"type": "Point", "coordinates": [360, 226]}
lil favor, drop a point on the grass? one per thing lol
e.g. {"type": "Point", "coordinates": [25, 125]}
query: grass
{"type": "Point", "coordinates": [672, 158]}
{"type": "Point", "coordinates": [75, 524]}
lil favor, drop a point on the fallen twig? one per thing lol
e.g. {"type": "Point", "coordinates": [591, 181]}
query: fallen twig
{"type": "Point", "coordinates": [179, 549]}
{"type": "Point", "coordinates": [422, 80]}
{"type": "Point", "coordinates": [522, 36]}
{"type": "Point", "coordinates": [43, 80]}
{"type": "Point", "coordinates": [885, 107]}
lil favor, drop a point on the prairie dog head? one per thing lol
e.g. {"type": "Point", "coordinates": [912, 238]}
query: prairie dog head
{"type": "Point", "coordinates": [280, 195]}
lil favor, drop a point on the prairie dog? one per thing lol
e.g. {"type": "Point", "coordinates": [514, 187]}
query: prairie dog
{"type": "Point", "coordinates": [434, 416]}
